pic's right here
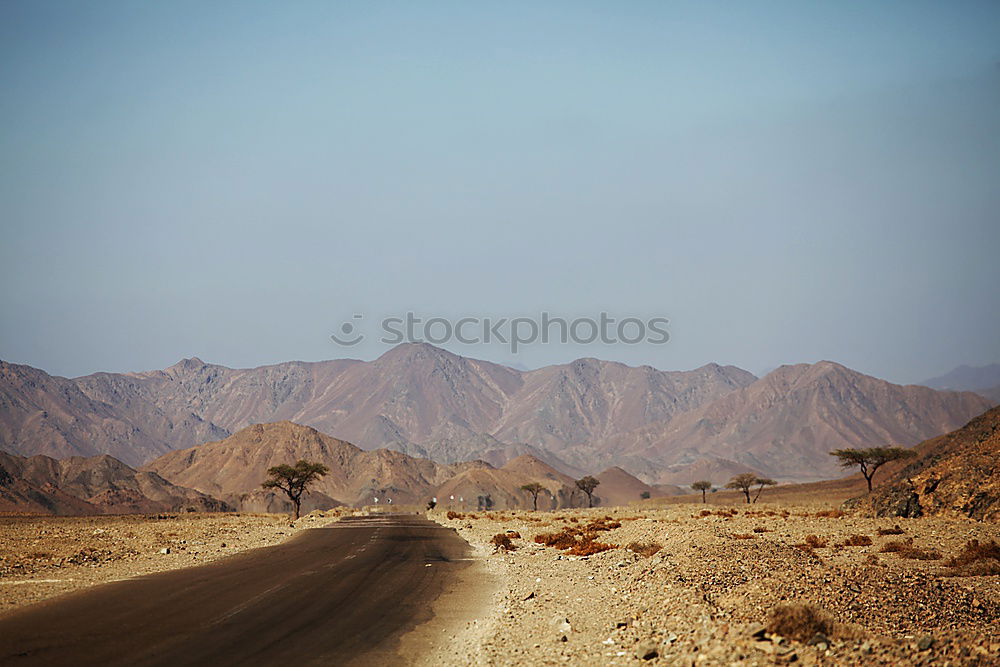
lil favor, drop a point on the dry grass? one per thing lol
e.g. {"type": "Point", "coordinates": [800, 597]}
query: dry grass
{"type": "Point", "coordinates": [742, 536]}
{"type": "Point", "coordinates": [857, 541]}
{"type": "Point", "coordinates": [976, 559]}
{"type": "Point", "coordinates": [798, 621]}
{"type": "Point", "coordinates": [761, 529]}
{"type": "Point", "coordinates": [908, 550]}
{"type": "Point", "coordinates": [895, 530]}
{"type": "Point", "coordinates": [646, 549]}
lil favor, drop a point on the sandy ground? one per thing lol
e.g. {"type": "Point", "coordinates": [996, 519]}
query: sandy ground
{"type": "Point", "coordinates": [41, 557]}
{"type": "Point", "coordinates": [699, 598]}
{"type": "Point", "coordinates": [701, 594]}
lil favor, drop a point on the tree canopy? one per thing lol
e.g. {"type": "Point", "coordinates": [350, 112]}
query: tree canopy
{"type": "Point", "coordinates": [702, 485]}
{"type": "Point", "coordinates": [534, 488]}
{"type": "Point", "coordinates": [870, 459]}
{"type": "Point", "coordinates": [746, 481]}
{"type": "Point", "coordinates": [294, 480]}
{"type": "Point", "coordinates": [587, 485]}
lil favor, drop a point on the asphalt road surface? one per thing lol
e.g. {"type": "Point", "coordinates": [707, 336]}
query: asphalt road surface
{"type": "Point", "coordinates": [342, 594]}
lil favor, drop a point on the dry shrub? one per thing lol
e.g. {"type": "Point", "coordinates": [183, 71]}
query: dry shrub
{"type": "Point", "coordinates": [589, 548]}
{"type": "Point", "coordinates": [976, 559]}
{"type": "Point", "coordinates": [564, 539]}
{"type": "Point", "coordinates": [815, 541]}
{"type": "Point", "coordinates": [895, 530]}
{"type": "Point", "coordinates": [455, 515]}
{"type": "Point", "coordinates": [472, 516]}
{"type": "Point", "coordinates": [579, 541]}
{"type": "Point", "coordinates": [798, 621]}
{"type": "Point", "coordinates": [829, 514]}
{"type": "Point", "coordinates": [726, 513]}
{"type": "Point", "coordinates": [501, 542]}
{"type": "Point", "coordinates": [872, 560]}
{"type": "Point", "coordinates": [908, 550]}
{"type": "Point", "coordinates": [646, 549]}
{"type": "Point", "coordinates": [858, 541]}
{"type": "Point", "coordinates": [742, 536]}
{"type": "Point", "coordinates": [760, 529]}
{"type": "Point", "coordinates": [514, 534]}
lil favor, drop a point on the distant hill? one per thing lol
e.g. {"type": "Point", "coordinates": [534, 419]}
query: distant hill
{"type": "Point", "coordinates": [233, 468]}
{"type": "Point", "coordinates": [956, 474]}
{"type": "Point", "coordinates": [618, 487]}
{"type": "Point", "coordinates": [967, 378]}
{"type": "Point", "coordinates": [503, 486]}
{"type": "Point", "coordinates": [95, 485]}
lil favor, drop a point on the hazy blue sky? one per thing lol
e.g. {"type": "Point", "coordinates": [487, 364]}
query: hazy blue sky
{"type": "Point", "coordinates": [785, 181]}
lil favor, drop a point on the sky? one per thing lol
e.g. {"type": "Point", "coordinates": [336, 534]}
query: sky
{"type": "Point", "coordinates": [785, 182]}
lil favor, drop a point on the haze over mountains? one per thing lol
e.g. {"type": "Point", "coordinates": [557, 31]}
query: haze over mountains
{"type": "Point", "coordinates": [984, 380]}
{"type": "Point", "coordinates": [584, 416]}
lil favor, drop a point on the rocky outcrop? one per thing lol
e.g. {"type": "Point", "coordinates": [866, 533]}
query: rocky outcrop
{"type": "Point", "coordinates": [957, 474]}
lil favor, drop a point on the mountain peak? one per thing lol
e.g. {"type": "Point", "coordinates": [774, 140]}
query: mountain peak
{"type": "Point", "coordinates": [188, 364]}
{"type": "Point", "coordinates": [416, 350]}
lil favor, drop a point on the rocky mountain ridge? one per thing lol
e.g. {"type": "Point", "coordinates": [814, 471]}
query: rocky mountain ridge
{"type": "Point", "coordinates": [420, 400]}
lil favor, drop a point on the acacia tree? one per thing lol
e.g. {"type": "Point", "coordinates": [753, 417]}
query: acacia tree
{"type": "Point", "coordinates": [871, 459]}
{"type": "Point", "coordinates": [587, 485]}
{"type": "Point", "coordinates": [744, 482]}
{"type": "Point", "coordinates": [704, 486]}
{"type": "Point", "coordinates": [294, 480]}
{"type": "Point", "coordinates": [762, 481]}
{"type": "Point", "coordinates": [534, 489]}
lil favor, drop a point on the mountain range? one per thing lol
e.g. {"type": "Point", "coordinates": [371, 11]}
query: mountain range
{"type": "Point", "coordinates": [416, 399]}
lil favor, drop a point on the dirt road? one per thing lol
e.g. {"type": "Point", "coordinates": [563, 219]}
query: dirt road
{"type": "Point", "coordinates": [341, 594]}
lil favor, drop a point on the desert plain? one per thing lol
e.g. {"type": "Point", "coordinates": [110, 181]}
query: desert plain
{"type": "Point", "coordinates": [790, 580]}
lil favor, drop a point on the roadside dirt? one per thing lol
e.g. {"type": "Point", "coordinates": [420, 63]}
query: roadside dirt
{"type": "Point", "coordinates": [42, 557]}
{"type": "Point", "coordinates": [699, 598]}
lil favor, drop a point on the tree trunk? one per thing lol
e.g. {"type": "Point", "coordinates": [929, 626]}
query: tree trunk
{"type": "Point", "coordinates": [746, 492]}
{"type": "Point", "coordinates": [298, 506]}
{"type": "Point", "coordinates": [703, 492]}
{"type": "Point", "coordinates": [590, 500]}
{"type": "Point", "coordinates": [534, 502]}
